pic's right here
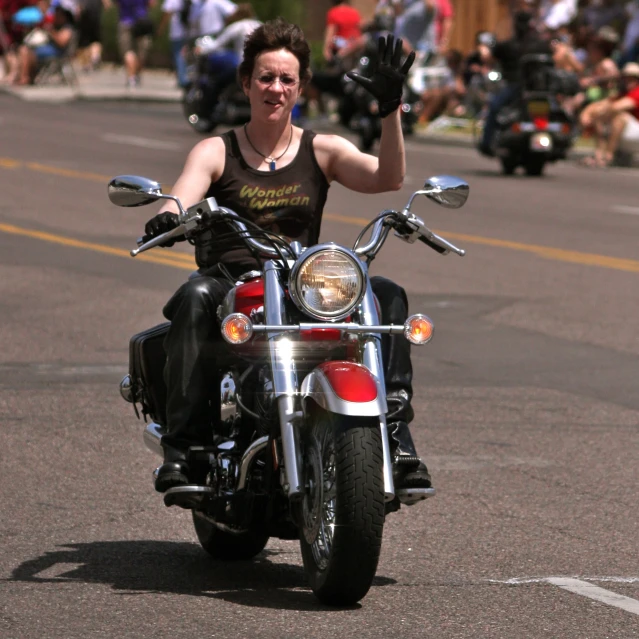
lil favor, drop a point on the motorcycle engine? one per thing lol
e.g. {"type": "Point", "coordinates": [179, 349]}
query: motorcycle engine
{"type": "Point", "coordinates": [265, 405]}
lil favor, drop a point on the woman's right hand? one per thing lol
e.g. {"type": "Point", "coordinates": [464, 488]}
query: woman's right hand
{"type": "Point", "coordinates": [161, 223]}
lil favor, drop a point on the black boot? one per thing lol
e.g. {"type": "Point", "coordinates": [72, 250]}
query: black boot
{"type": "Point", "coordinates": [409, 471]}
{"type": "Point", "coordinates": [170, 475]}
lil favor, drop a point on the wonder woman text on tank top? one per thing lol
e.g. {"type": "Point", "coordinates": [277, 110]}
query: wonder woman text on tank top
{"type": "Point", "coordinates": [288, 201]}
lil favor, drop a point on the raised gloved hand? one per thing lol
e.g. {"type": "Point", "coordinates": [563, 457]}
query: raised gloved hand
{"type": "Point", "coordinates": [162, 223]}
{"type": "Point", "coordinates": [387, 81]}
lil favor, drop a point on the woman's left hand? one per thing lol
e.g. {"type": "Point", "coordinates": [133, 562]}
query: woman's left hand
{"type": "Point", "coordinates": [386, 83]}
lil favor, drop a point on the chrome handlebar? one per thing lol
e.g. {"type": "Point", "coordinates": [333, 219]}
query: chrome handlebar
{"type": "Point", "coordinates": [190, 219]}
{"type": "Point", "coordinates": [411, 228]}
{"type": "Point", "coordinates": [407, 225]}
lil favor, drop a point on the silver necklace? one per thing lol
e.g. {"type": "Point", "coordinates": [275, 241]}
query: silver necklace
{"type": "Point", "coordinates": [271, 160]}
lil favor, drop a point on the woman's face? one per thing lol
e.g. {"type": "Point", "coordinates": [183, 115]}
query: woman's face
{"type": "Point", "coordinates": [274, 86]}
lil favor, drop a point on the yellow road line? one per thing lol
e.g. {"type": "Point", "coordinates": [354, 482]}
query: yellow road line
{"type": "Point", "coordinates": [185, 261]}
{"type": "Point", "coordinates": [548, 252]}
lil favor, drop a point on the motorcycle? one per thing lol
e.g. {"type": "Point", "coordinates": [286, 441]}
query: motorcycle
{"type": "Point", "coordinates": [535, 129]}
{"type": "Point", "coordinates": [300, 449]}
{"type": "Point", "coordinates": [202, 109]}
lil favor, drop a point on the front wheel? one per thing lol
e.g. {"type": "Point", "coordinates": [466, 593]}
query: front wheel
{"type": "Point", "coordinates": [341, 517]}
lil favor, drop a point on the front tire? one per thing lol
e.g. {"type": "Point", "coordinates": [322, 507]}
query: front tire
{"type": "Point", "coordinates": [341, 517]}
{"type": "Point", "coordinates": [223, 545]}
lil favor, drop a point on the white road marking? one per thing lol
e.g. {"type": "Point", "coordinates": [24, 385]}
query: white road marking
{"type": "Point", "coordinates": [515, 581]}
{"type": "Point", "coordinates": [624, 208]}
{"type": "Point", "coordinates": [146, 143]}
{"type": "Point", "coordinates": [586, 589]}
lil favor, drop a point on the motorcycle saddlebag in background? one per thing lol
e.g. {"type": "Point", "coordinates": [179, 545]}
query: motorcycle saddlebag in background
{"type": "Point", "coordinates": [146, 368]}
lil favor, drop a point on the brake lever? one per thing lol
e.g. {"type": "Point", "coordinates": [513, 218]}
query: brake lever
{"type": "Point", "coordinates": [184, 228]}
{"type": "Point", "coordinates": [412, 228]}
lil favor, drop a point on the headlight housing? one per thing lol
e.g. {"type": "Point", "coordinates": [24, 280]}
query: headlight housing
{"type": "Point", "coordinates": [327, 282]}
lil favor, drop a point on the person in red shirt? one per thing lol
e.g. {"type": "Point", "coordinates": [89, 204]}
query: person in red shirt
{"type": "Point", "coordinates": [343, 24]}
{"type": "Point", "coordinates": [443, 25]}
{"type": "Point", "coordinates": [621, 114]}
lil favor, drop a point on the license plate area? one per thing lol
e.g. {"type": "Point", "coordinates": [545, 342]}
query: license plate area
{"type": "Point", "coordinates": [538, 109]}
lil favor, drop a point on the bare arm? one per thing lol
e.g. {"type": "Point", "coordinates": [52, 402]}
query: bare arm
{"type": "Point", "coordinates": [623, 104]}
{"type": "Point", "coordinates": [365, 173]}
{"type": "Point", "coordinates": [62, 37]}
{"type": "Point", "coordinates": [203, 165]}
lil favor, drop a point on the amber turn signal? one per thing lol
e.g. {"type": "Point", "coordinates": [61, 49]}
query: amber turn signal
{"type": "Point", "coordinates": [418, 329]}
{"type": "Point", "coordinates": [237, 328]}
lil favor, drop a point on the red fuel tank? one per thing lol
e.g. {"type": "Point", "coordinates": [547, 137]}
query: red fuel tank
{"type": "Point", "coordinates": [249, 296]}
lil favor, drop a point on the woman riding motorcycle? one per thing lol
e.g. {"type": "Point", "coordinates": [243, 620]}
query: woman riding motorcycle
{"type": "Point", "coordinates": [276, 175]}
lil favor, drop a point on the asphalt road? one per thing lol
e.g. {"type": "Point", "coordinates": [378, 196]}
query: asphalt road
{"type": "Point", "coordinates": [526, 401]}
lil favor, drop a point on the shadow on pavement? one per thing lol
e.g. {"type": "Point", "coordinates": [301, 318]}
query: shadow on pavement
{"type": "Point", "coordinates": [178, 568]}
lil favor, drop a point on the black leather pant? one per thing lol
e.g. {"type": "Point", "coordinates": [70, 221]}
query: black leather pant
{"type": "Point", "coordinates": [195, 351]}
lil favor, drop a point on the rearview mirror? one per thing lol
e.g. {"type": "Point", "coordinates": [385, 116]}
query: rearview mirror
{"type": "Point", "coordinates": [133, 190]}
{"type": "Point", "coordinates": [447, 190]}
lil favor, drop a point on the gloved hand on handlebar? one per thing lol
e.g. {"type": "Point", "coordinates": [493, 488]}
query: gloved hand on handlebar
{"type": "Point", "coordinates": [162, 223]}
{"type": "Point", "coordinates": [387, 81]}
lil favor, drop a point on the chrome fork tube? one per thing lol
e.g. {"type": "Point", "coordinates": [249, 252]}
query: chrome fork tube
{"type": "Point", "coordinates": [284, 379]}
{"type": "Point", "coordinates": [372, 359]}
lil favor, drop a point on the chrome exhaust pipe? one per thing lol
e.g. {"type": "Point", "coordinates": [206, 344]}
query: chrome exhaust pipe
{"type": "Point", "coordinates": [247, 459]}
{"type": "Point", "coordinates": [152, 437]}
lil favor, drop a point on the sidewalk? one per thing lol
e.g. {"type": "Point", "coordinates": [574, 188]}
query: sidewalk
{"type": "Point", "coordinates": [107, 83]}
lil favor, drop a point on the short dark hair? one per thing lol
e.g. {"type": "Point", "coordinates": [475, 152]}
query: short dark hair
{"type": "Point", "coordinates": [272, 36]}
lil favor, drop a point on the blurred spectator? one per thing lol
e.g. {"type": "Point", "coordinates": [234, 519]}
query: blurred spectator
{"type": "Point", "coordinates": [616, 120]}
{"type": "Point", "coordinates": [50, 40]}
{"type": "Point", "coordinates": [90, 32]}
{"type": "Point", "coordinates": [416, 26]}
{"type": "Point", "coordinates": [556, 14]}
{"type": "Point", "coordinates": [599, 73]}
{"type": "Point", "coordinates": [175, 17]}
{"type": "Point", "coordinates": [343, 25]}
{"type": "Point", "coordinates": [135, 36]}
{"type": "Point", "coordinates": [343, 41]}
{"type": "Point", "coordinates": [208, 17]}
{"type": "Point", "coordinates": [630, 44]}
{"type": "Point", "coordinates": [443, 25]}
{"type": "Point", "coordinates": [602, 13]}
{"type": "Point", "coordinates": [10, 37]}
{"type": "Point", "coordinates": [446, 99]}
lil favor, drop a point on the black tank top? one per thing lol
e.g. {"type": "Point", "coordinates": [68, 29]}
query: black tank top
{"type": "Point", "coordinates": [288, 201]}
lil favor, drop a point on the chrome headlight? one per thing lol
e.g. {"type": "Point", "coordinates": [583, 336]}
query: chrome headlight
{"type": "Point", "coordinates": [327, 282]}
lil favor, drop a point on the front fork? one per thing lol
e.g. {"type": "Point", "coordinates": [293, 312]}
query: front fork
{"type": "Point", "coordinates": [286, 387]}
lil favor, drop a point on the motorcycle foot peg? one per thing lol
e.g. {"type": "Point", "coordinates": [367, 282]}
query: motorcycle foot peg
{"type": "Point", "coordinates": [187, 497]}
{"type": "Point", "coordinates": [411, 496]}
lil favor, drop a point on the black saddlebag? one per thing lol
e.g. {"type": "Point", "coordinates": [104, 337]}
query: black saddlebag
{"type": "Point", "coordinates": [146, 368]}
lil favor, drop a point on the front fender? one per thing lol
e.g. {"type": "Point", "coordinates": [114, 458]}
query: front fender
{"type": "Point", "coordinates": [344, 388]}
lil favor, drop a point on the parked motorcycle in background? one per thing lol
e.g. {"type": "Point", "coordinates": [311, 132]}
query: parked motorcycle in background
{"type": "Point", "coordinates": [301, 449]}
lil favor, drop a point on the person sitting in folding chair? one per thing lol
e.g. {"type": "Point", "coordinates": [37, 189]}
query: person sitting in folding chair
{"type": "Point", "coordinates": [47, 43]}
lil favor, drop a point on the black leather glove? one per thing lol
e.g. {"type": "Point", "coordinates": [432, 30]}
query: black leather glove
{"type": "Point", "coordinates": [387, 81]}
{"type": "Point", "coordinates": [162, 223]}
